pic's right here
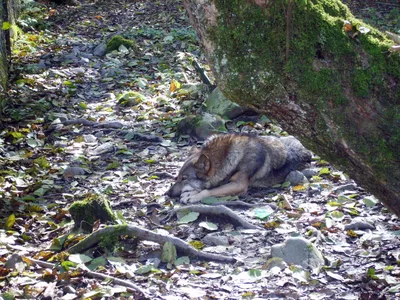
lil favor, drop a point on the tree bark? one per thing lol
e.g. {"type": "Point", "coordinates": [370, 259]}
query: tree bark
{"type": "Point", "coordinates": [335, 87]}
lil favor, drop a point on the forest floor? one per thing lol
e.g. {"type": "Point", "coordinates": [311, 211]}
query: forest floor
{"type": "Point", "coordinates": [78, 124]}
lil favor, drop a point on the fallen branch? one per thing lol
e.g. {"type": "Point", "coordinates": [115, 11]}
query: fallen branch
{"type": "Point", "coordinates": [216, 210]}
{"type": "Point", "coordinates": [129, 285]}
{"type": "Point", "coordinates": [144, 234]}
{"type": "Point", "coordinates": [85, 122]}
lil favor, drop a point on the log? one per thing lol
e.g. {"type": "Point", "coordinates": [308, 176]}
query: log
{"type": "Point", "coordinates": [322, 74]}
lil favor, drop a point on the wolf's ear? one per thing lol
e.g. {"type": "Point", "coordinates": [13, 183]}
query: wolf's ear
{"type": "Point", "coordinates": [203, 164]}
{"type": "Point", "coordinates": [193, 150]}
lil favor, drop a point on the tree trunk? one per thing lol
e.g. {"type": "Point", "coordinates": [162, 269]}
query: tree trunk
{"type": "Point", "coordinates": [333, 86]}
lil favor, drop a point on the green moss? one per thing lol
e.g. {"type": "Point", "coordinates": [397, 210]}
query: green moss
{"type": "Point", "coordinates": [118, 40]}
{"type": "Point", "coordinates": [110, 242]}
{"type": "Point", "coordinates": [86, 212]}
{"type": "Point", "coordinates": [317, 35]}
{"type": "Point", "coordinates": [130, 98]}
{"type": "Point", "coordinates": [393, 66]}
{"type": "Point", "coordinates": [326, 67]}
{"type": "Point", "coordinates": [361, 82]}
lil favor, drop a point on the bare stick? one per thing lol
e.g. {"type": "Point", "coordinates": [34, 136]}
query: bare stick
{"type": "Point", "coordinates": [129, 285]}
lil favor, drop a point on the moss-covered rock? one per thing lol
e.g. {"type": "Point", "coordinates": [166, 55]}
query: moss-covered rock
{"type": "Point", "coordinates": [216, 103]}
{"type": "Point", "coordinates": [118, 40]}
{"type": "Point", "coordinates": [202, 126]}
{"type": "Point", "coordinates": [92, 208]}
{"type": "Point", "coordinates": [130, 98]}
{"type": "Point", "coordinates": [335, 88]}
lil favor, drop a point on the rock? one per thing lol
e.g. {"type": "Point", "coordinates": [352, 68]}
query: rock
{"type": "Point", "coordinates": [310, 172]}
{"type": "Point", "coordinates": [195, 89]}
{"type": "Point", "coordinates": [347, 187]}
{"type": "Point", "coordinates": [71, 172]}
{"type": "Point", "coordinates": [359, 224]}
{"type": "Point", "coordinates": [87, 55]}
{"type": "Point", "coordinates": [94, 207]}
{"type": "Point", "coordinates": [275, 265]}
{"type": "Point", "coordinates": [104, 148]}
{"type": "Point", "coordinates": [61, 116]}
{"type": "Point", "coordinates": [41, 64]}
{"type": "Point", "coordinates": [75, 50]}
{"type": "Point", "coordinates": [13, 260]}
{"type": "Point", "coordinates": [117, 41]}
{"type": "Point", "coordinates": [215, 239]}
{"type": "Point", "coordinates": [70, 57]}
{"type": "Point", "coordinates": [216, 103]}
{"type": "Point", "coordinates": [112, 72]}
{"type": "Point", "coordinates": [100, 50]}
{"type": "Point", "coordinates": [89, 138]}
{"type": "Point", "coordinates": [314, 190]}
{"type": "Point", "coordinates": [78, 71]}
{"type": "Point", "coordinates": [201, 127]}
{"type": "Point", "coordinates": [299, 251]}
{"type": "Point", "coordinates": [84, 61]}
{"type": "Point", "coordinates": [154, 261]}
{"type": "Point", "coordinates": [296, 178]}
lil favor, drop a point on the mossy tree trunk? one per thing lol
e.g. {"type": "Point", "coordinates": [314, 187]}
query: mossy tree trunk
{"type": "Point", "coordinates": [338, 91]}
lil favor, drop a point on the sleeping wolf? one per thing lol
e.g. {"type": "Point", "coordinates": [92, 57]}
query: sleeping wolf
{"type": "Point", "coordinates": [229, 164]}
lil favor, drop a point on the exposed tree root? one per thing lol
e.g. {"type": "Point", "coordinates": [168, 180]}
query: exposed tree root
{"type": "Point", "coordinates": [128, 284]}
{"type": "Point", "coordinates": [237, 203]}
{"type": "Point", "coordinates": [215, 210]}
{"type": "Point", "coordinates": [144, 234]}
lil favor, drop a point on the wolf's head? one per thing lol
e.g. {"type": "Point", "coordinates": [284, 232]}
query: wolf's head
{"type": "Point", "coordinates": [193, 174]}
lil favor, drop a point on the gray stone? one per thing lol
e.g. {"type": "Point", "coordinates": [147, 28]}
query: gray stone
{"type": "Point", "coordinates": [89, 138]}
{"type": "Point", "coordinates": [104, 148]}
{"type": "Point", "coordinates": [100, 50]}
{"type": "Point", "coordinates": [216, 103]}
{"type": "Point", "coordinates": [215, 239]}
{"type": "Point", "coordinates": [296, 178]}
{"type": "Point", "coordinates": [84, 61]}
{"type": "Point", "coordinates": [70, 56]}
{"type": "Point", "coordinates": [299, 251]}
{"type": "Point", "coordinates": [61, 116]}
{"type": "Point", "coordinates": [343, 188]}
{"type": "Point", "coordinates": [71, 172]}
{"type": "Point", "coordinates": [87, 55]}
{"type": "Point", "coordinates": [275, 265]}
{"type": "Point", "coordinates": [78, 71]}
{"type": "Point", "coordinates": [314, 190]}
{"type": "Point", "coordinates": [359, 224]}
{"type": "Point", "coordinates": [75, 50]}
{"type": "Point", "coordinates": [112, 72]}
{"type": "Point", "coordinates": [13, 260]}
{"type": "Point", "coordinates": [201, 127]}
{"type": "Point", "coordinates": [310, 172]}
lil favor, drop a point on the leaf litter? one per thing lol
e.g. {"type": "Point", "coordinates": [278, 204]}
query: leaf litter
{"type": "Point", "coordinates": [80, 121]}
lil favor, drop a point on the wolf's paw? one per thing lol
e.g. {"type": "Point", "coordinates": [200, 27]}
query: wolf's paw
{"type": "Point", "coordinates": [191, 196]}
